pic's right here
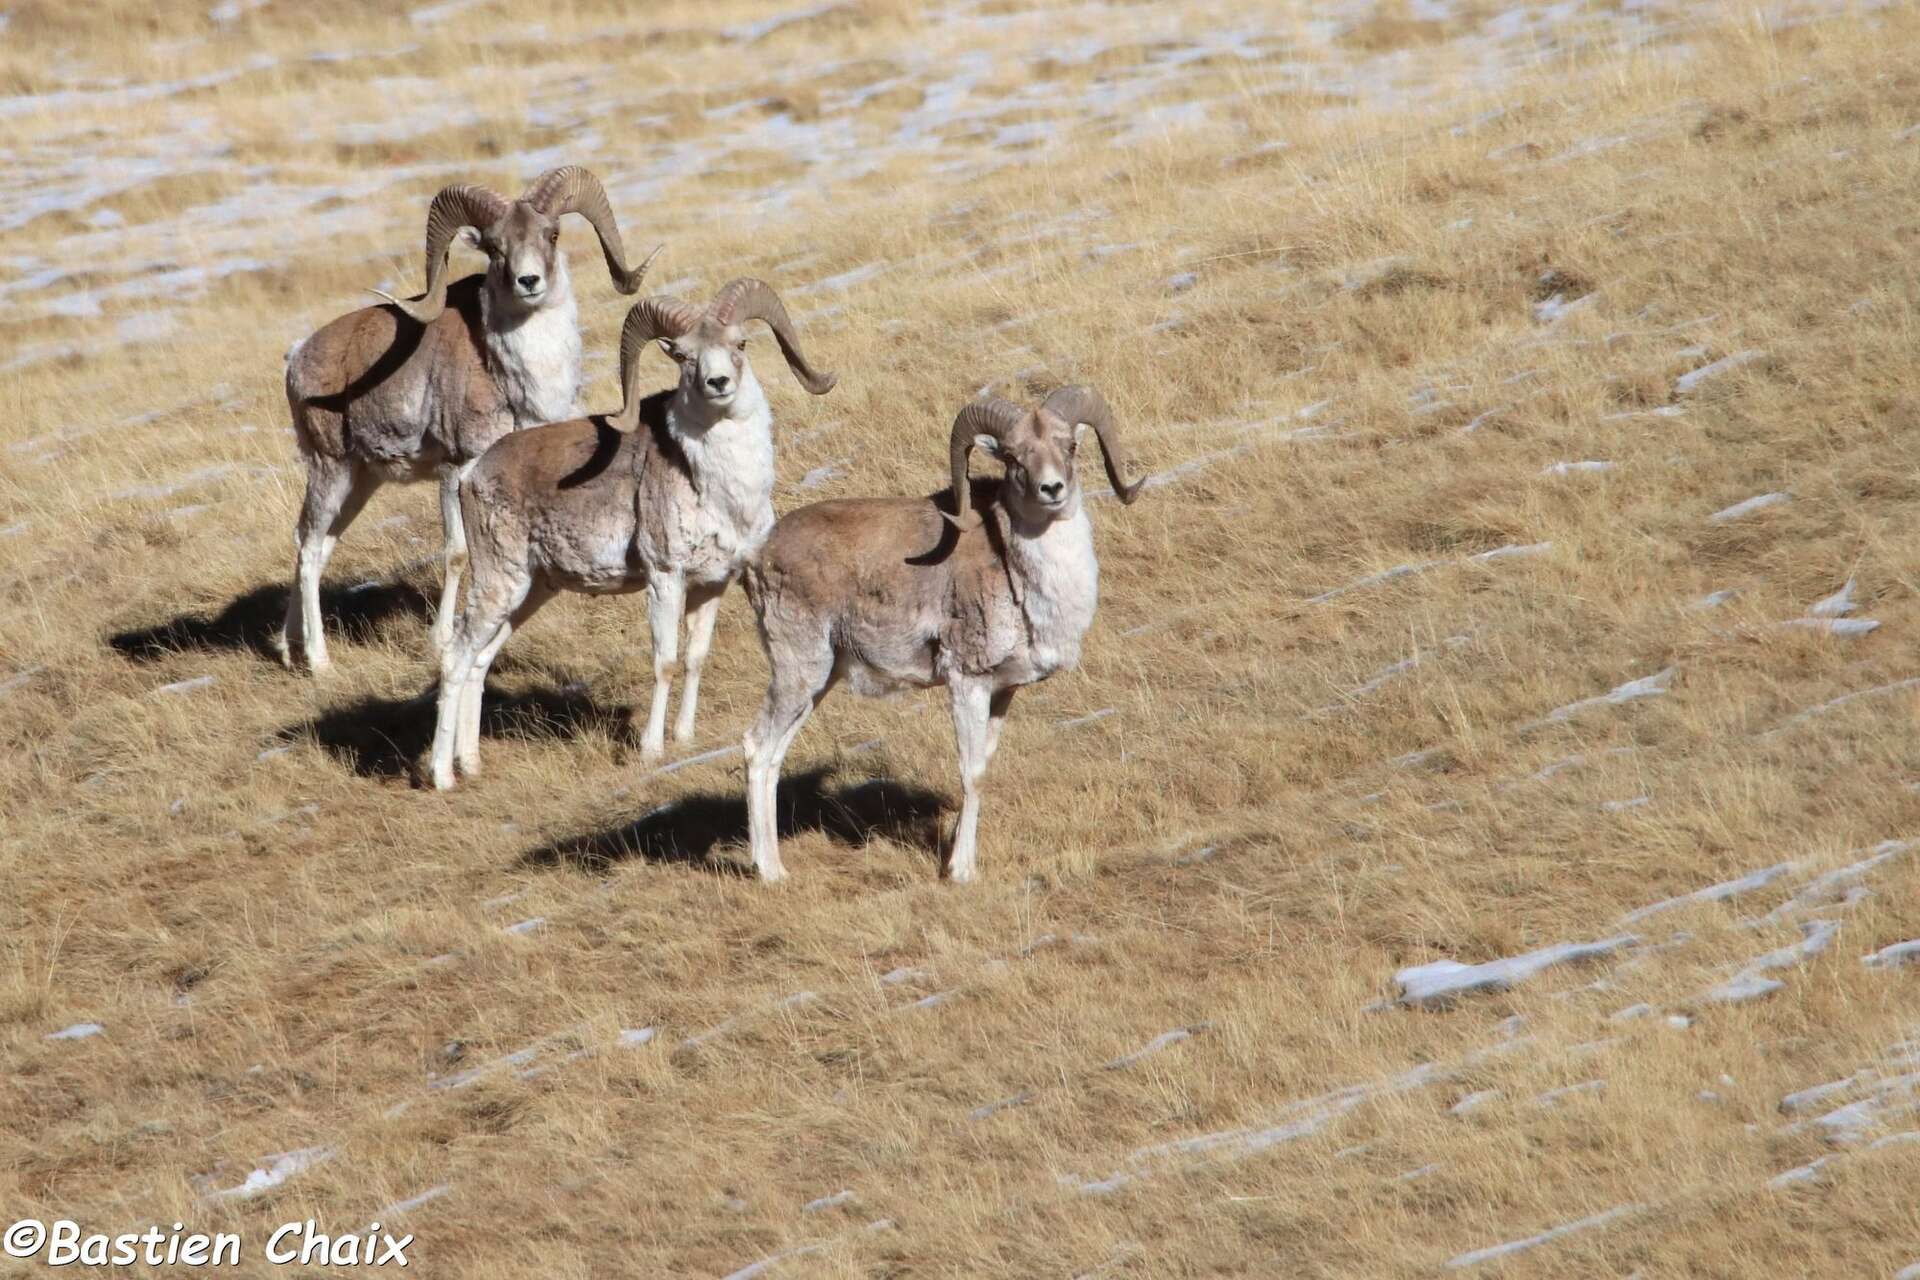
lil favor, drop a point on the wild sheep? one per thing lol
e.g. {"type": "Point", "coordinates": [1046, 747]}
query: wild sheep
{"type": "Point", "coordinates": [896, 593]}
{"type": "Point", "coordinates": [672, 496]}
{"type": "Point", "coordinates": [409, 389]}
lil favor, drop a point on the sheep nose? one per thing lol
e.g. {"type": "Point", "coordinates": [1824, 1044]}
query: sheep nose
{"type": "Point", "coordinates": [1053, 490]}
{"type": "Point", "coordinates": [719, 382]}
{"type": "Point", "coordinates": [529, 283]}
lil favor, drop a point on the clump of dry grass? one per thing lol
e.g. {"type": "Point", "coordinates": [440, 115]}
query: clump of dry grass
{"type": "Point", "coordinates": [1357, 313]}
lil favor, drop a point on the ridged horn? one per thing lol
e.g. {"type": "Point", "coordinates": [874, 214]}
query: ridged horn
{"type": "Point", "coordinates": [657, 317]}
{"type": "Point", "coordinates": [994, 417]}
{"type": "Point", "coordinates": [572, 189]}
{"type": "Point", "coordinates": [457, 206]}
{"type": "Point", "coordinates": [1074, 405]}
{"type": "Point", "coordinates": [748, 299]}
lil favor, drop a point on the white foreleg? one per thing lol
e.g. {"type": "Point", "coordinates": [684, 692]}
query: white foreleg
{"type": "Point", "coordinates": [973, 735]}
{"type": "Point", "coordinates": [703, 608]}
{"type": "Point", "coordinates": [666, 605]}
{"type": "Point", "coordinates": [453, 553]}
{"type": "Point", "coordinates": [456, 665]}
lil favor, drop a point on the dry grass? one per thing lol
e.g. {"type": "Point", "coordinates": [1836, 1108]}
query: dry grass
{"type": "Point", "coordinates": [1304, 266]}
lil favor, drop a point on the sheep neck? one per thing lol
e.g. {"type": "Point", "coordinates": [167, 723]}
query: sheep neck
{"type": "Point", "coordinates": [534, 355]}
{"type": "Point", "coordinates": [729, 452]}
{"type": "Point", "coordinates": [1055, 578]}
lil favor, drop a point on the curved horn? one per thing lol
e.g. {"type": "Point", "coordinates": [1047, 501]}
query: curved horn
{"type": "Point", "coordinates": [461, 205]}
{"type": "Point", "coordinates": [649, 318]}
{"type": "Point", "coordinates": [1075, 405]}
{"type": "Point", "coordinates": [994, 417]}
{"type": "Point", "coordinates": [748, 299]}
{"type": "Point", "coordinates": [571, 189]}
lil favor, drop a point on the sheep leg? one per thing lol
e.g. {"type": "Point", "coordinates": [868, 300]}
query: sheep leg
{"type": "Point", "coordinates": [468, 744]}
{"type": "Point", "coordinates": [703, 608]}
{"type": "Point", "coordinates": [453, 553]}
{"type": "Point", "coordinates": [997, 717]}
{"type": "Point", "coordinates": [666, 604]}
{"type": "Point", "coordinates": [337, 490]}
{"type": "Point", "coordinates": [973, 733]}
{"type": "Point", "coordinates": [791, 697]}
{"type": "Point", "coordinates": [456, 668]}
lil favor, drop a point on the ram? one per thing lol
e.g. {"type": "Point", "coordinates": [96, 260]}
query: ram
{"type": "Point", "coordinates": [898, 593]}
{"type": "Point", "coordinates": [673, 495]}
{"type": "Point", "coordinates": [414, 389]}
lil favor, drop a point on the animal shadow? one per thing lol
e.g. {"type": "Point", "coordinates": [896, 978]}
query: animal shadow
{"type": "Point", "coordinates": [690, 829]}
{"type": "Point", "coordinates": [385, 737]}
{"type": "Point", "coordinates": [251, 620]}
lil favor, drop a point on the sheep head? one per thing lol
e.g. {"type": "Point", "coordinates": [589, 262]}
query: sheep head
{"type": "Point", "coordinates": [1039, 448]}
{"type": "Point", "coordinates": [710, 345]}
{"type": "Point", "coordinates": [521, 238]}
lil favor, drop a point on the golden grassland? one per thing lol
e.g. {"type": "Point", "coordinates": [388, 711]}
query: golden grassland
{"type": "Point", "coordinates": [1313, 300]}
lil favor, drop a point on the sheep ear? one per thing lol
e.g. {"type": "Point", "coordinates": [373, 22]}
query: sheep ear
{"type": "Point", "coordinates": [666, 345]}
{"type": "Point", "coordinates": [989, 445]}
{"type": "Point", "coordinates": [1080, 430]}
{"type": "Point", "coordinates": [469, 236]}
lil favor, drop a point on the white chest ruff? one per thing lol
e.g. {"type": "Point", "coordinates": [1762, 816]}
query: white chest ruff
{"type": "Point", "coordinates": [1056, 581]}
{"type": "Point", "coordinates": [732, 465]}
{"type": "Point", "coordinates": [536, 363]}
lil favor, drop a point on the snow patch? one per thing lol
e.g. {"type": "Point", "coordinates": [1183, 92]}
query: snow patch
{"type": "Point", "coordinates": [1892, 957]}
{"type": "Point", "coordinates": [1553, 310]}
{"type": "Point", "coordinates": [1019, 1099]}
{"type": "Point", "coordinates": [78, 1031]}
{"type": "Point", "coordinates": [1439, 983]}
{"type": "Point", "coordinates": [1840, 883]}
{"type": "Point", "coordinates": [411, 1203]}
{"type": "Point", "coordinates": [1689, 382]}
{"type": "Point", "coordinates": [1747, 507]}
{"type": "Point", "coordinates": [276, 1170]}
{"type": "Point", "coordinates": [1553, 1097]}
{"type": "Point", "coordinates": [1652, 686]}
{"type": "Point", "coordinates": [1837, 605]}
{"type": "Point", "coordinates": [1751, 983]}
{"type": "Point", "coordinates": [719, 753]}
{"type": "Point", "coordinates": [1165, 1039]}
{"type": "Point", "coordinates": [1375, 579]}
{"type": "Point", "coordinates": [1511, 1247]}
{"type": "Point", "coordinates": [1512, 551]}
{"type": "Point", "coordinates": [824, 1203]}
{"type": "Point", "coordinates": [1714, 892]}
{"type": "Point", "coordinates": [1835, 626]}
{"type": "Point", "coordinates": [1834, 704]}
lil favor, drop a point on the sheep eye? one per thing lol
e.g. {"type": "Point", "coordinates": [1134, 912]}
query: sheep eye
{"type": "Point", "coordinates": [553, 236]}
